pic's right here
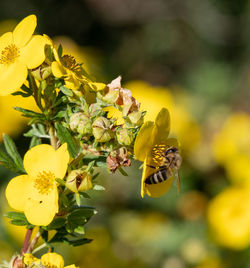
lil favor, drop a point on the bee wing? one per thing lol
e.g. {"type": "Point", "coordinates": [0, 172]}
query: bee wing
{"type": "Point", "coordinates": [177, 181]}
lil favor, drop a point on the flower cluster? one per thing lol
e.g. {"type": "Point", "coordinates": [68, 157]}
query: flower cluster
{"type": "Point", "coordinates": [77, 115]}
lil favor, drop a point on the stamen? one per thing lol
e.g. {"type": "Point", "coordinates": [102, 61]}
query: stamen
{"type": "Point", "coordinates": [157, 153]}
{"type": "Point", "coordinates": [9, 54]}
{"type": "Point", "coordinates": [69, 62]}
{"type": "Point", "coordinates": [44, 182]}
{"type": "Point", "coordinates": [50, 265]}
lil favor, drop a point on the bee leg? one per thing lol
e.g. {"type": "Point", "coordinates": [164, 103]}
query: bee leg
{"type": "Point", "coordinates": [152, 166]}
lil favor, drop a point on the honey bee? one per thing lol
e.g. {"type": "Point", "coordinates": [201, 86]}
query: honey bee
{"type": "Point", "coordinates": [168, 163]}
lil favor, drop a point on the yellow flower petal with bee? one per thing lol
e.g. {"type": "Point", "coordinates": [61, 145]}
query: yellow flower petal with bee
{"type": "Point", "coordinates": [151, 141]}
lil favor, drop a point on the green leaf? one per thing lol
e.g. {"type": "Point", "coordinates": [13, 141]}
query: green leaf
{"type": "Point", "coordinates": [85, 195]}
{"type": "Point", "coordinates": [98, 187]}
{"type": "Point", "coordinates": [56, 223]}
{"type": "Point", "coordinates": [37, 131]}
{"type": "Point", "coordinates": [17, 218]}
{"type": "Point", "coordinates": [15, 215]}
{"type": "Point", "coordinates": [78, 217]}
{"type": "Point", "coordinates": [34, 142]}
{"type": "Point", "coordinates": [60, 50]}
{"type": "Point", "coordinates": [66, 91]}
{"type": "Point", "coordinates": [79, 230]}
{"type": "Point", "coordinates": [29, 113]}
{"type": "Point", "coordinates": [78, 242]}
{"type": "Point", "coordinates": [60, 181]}
{"type": "Point", "coordinates": [7, 162]}
{"type": "Point", "coordinates": [78, 199]}
{"type": "Point", "coordinates": [12, 151]}
{"type": "Point", "coordinates": [65, 136]}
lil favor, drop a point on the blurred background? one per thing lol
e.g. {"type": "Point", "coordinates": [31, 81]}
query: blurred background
{"type": "Point", "coordinates": [193, 57]}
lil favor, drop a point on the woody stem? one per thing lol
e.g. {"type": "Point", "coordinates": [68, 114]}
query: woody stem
{"type": "Point", "coordinates": [26, 241]}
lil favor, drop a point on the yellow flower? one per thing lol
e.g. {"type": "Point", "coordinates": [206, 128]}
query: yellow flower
{"type": "Point", "coordinates": [12, 121]}
{"type": "Point", "coordinates": [152, 97]}
{"type": "Point", "coordinates": [229, 218]}
{"type": "Point", "coordinates": [47, 260]}
{"type": "Point", "coordinates": [151, 137]}
{"type": "Point", "coordinates": [36, 193]}
{"type": "Point", "coordinates": [231, 148]}
{"type": "Point", "coordinates": [20, 50]}
{"type": "Point", "coordinates": [67, 66]}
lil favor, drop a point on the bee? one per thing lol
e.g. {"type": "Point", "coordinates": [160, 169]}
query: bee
{"type": "Point", "coordinates": [168, 164]}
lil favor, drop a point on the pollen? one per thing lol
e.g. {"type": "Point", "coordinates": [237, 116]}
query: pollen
{"type": "Point", "coordinates": [70, 63]}
{"type": "Point", "coordinates": [157, 153]}
{"type": "Point", "coordinates": [9, 54]}
{"type": "Point", "coordinates": [44, 182]}
{"type": "Point", "coordinates": [50, 265]}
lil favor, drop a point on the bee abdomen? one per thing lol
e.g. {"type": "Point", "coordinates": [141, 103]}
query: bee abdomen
{"type": "Point", "coordinates": [157, 177]}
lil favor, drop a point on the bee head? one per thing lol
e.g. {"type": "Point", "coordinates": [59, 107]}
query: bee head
{"type": "Point", "coordinates": [171, 150]}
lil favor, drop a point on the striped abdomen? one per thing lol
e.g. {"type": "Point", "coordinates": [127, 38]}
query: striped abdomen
{"type": "Point", "coordinates": [157, 177]}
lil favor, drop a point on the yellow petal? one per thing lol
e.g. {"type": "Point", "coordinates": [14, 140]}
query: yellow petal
{"type": "Point", "coordinates": [12, 77]}
{"type": "Point", "coordinates": [30, 260]}
{"type": "Point", "coordinates": [62, 157]}
{"type": "Point", "coordinates": [159, 189]}
{"type": "Point", "coordinates": [143, 141]}
{"type": "Point", "coordinates": [97, 86]}
{"type": "Point", "coordinates": [154, 190]}
{"type": "Point", "coordinates": [6, 40]}
{"type": "Point", "coordinates": [16, 192]}
{"type": "Point", "coordinates": [58, 70]}
{"type": "Point", "coordinates": [71, 266]}
{"type": "Point", "coordinates": [33, 53]}
{"type": "Point", "coordinates": [44, 158]}
{"type": "Point", "coordinates": [162, 126]}
{"type": "Point", "coordinates": [40, 209]}
{"type": "Point", "coordinates": [52, 260]}
{"type": "Point", "coordinates": [24, 30]}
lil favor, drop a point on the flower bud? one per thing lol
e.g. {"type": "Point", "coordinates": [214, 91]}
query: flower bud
{"type": "Point", "coordinates": [80, 123]}
{"type": "Point", "coordinates": [101, 129]}
{"type": "Point", "coordinates": [42, 72]}
{"type": "Point", "coordinates": [136, 118]}
{"type": "Point", "coordinates": [79, 181]}
{"type": "Point", "coordinates": [124, 136]}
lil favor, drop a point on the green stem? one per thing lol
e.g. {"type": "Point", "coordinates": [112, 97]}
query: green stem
{"type": "Point", "coordinates": [39, 248]}
{"type": "Point", "coordinates": [53, 140]}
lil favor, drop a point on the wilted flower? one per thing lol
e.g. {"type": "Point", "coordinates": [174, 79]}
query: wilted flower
{"type": "Point", "coordinates": [81, 123]}
{"type": "Point", "coordinates": [79, 181]}
{"type": "Point", "coordinates": [102, 129]}
{"type": "Point", "coordinates": [125, 136]}
{"type": "Point", "coordinates": [117, 158]}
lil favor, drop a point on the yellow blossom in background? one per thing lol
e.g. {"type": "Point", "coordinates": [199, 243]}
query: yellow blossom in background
{"type": "Point", "coordinates": [47, 260]}
{"type": "Point", "coordinates": [19, 51]}
{"type": "Point", "coordinates": [228, 218]}
{"type": "Point", "coordinates": [11, 121]}
{"type": "Point", "coordinates": [231, 148]}
{"type": "Point", "coordinates": [150, 136]}
{"type": "Point", "coordinates": [36, 193]}
{"type": "Point", "coordinates": [152, 98]}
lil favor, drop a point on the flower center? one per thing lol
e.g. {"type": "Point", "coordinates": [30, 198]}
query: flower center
{"type": "Point", "coordinates": [157, 153]}
{"type": "Point", "coordinates": [70, 63]}
{"type": "Point", "coordinates": [50, 265]}
{"type": "Point", "coordinates": [44, 182]}
{"type": "Point", "coordinates": [9, 54]}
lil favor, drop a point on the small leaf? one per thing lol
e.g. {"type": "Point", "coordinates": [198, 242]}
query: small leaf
{"type": "Point", "coordinates": [56, 223]}
{"type": "Point", "coordinates": [65, 136]}
{"type": "Point", "coordinates": [34, 142]}
{"type": "Point", "coordinates": [12, 151]}
{"type": "Point", "coordinates": [78, 199]}
{"type": "Point", "coordinates": [18, 222]}
{"type": "Point", "coordinates": [85, 195]}
{"type": "Point", "coordinates": [7, 162]}
{"type": "Point", "coordinates": [60, 181]}
{"type": "Point", "coordinates": [15, 215]}
{"type": "Point", "coordinates": [66, 91]}
{"type": "Point", "coordinates": [79, 230]}
{"type": "Point", "coordinates": [29, 113]}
